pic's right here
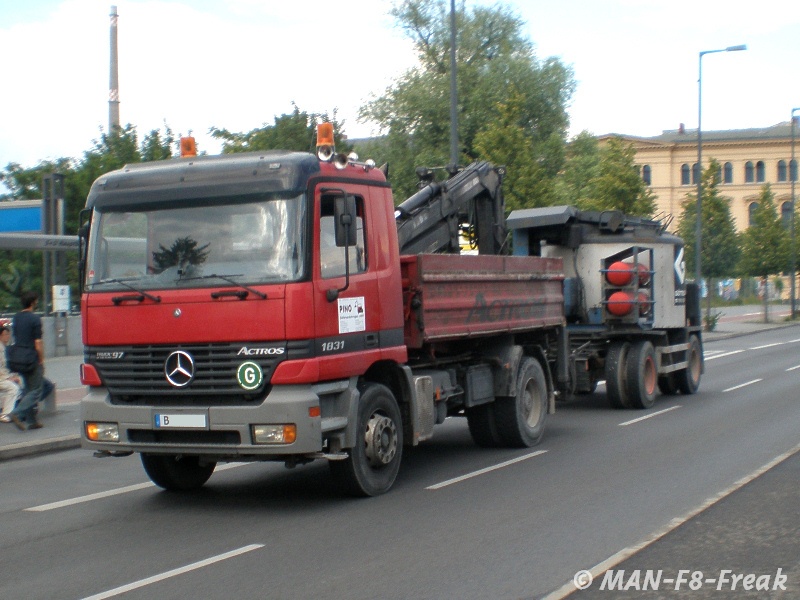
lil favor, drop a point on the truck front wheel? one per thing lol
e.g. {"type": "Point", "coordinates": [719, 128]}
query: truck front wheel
{"type": "Point", "coordinates": [177, 473]}
{"type": "Point", "coordinates": [521, 419]}
{"type": "Point", "coordinates": [372, 464]}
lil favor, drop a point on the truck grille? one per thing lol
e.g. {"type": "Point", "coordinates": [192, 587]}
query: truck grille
{"type": "Point", "coordinates": [135, 374]}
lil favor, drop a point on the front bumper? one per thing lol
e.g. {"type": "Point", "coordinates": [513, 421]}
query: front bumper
{"type": "Point", "coordinates": [227, 433]}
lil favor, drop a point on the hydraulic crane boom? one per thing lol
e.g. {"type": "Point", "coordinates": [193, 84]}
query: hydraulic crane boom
{"type": "Point", "coordinates": [429, 221]}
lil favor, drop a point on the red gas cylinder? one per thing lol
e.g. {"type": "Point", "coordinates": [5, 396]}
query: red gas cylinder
{"type": "Point", "coordinates": [620, 303]}
{"type": "Point", "coordinates": [644, 275]}
{"type": "Point", "coordinates": [644, 303]}
{"type": "Point", "coordinates": [619, 273]}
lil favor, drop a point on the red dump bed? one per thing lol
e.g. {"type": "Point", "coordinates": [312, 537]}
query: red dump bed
{"type": "Point", "coordinates": [450, 296]}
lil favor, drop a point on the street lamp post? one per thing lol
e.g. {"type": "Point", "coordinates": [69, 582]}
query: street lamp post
{"type": "Point", "coordinates": [792, 177]}
{"type": "Point", "coordinates": [699, 215]}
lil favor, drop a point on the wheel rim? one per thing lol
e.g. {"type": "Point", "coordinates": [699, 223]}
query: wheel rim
{"type": "Point", "coordinates": [531, 404]}
{"type": "Point", "coordinates": [694, 364]}
{"type": "Point", "coordinates": [650, 376]}
{"type": "Point", "coordinates": [380, 440]}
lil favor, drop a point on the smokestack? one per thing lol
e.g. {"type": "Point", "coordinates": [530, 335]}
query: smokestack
{"type": "Point", "coordinates": [113, 82]}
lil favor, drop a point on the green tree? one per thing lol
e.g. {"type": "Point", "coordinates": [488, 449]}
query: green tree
{"type": "Point", "coordinates": [495, 61]}
{"type": "Point", "coordinates": [721, 244]}
{"type": "Point", "coordinates": [526, 184]}
{"type": "Point", "coordinates": [617, 184]}
{"type": "Point", "coordinates": [292, 131]}
{"type": "Point", "coordinates": [765, 244]}
{"type": "Point", "coordinates": [581, 168]}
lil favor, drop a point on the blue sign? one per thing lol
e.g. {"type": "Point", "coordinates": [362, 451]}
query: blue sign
{"type": "Point", "coordinates": [21, 216]}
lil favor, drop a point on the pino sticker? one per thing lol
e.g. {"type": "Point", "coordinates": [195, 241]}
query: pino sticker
{"type": "Point", "coordinates": [249, 375]}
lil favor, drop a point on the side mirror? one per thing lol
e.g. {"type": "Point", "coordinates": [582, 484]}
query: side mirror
{"type": "Point", "coordinates": [344, 211]}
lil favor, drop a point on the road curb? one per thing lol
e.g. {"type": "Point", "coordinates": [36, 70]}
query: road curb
{"type": "Point", "coordinates": [65, 442]}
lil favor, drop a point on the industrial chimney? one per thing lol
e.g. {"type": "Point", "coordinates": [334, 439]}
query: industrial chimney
{"type": "Point", "coordinates": [113, 82]}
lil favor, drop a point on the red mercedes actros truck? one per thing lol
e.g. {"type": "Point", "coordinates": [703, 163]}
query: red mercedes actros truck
{"type": "Point", "coordinates": [277, 306]}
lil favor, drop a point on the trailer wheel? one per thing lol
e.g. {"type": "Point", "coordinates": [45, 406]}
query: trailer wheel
{"type": "Point", "coordinates": [668, 384]}
{"type": "Point", "coordinates": [372, 464]}
{"type": "Point", "coordinates": [642, 375]}
{"type": "Point", "coordinates": [521, 419]}
{"type": "Point", "coordinates": [689, 378]}
{"type": "Point", "coordinates": [177, 473]}
{"type": "Point", "coordinates": [616, 388]}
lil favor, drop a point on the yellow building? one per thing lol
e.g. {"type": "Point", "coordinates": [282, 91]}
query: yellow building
{"type": "Point", "coordinates": [749, 158]}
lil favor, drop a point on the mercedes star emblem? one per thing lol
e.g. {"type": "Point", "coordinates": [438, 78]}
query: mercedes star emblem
{"type": "Point", "coordinates": [179, 368]}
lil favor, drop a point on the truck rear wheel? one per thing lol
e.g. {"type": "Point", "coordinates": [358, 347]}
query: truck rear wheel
{"type": "Point", "coordinates": [642, 375]}
{"type": "Point", "coordinates": [616, 388]}
{"type": "Point", "coordinates": [372, 464]}
{"type": "Point", "coordinates": [689, 378]}
{"type": "Point", "coordinates": [177, 473]}
{"type": "Point", "coordinates": [482, 426]}
{"type": "Point", "coordinates": [521, 419]}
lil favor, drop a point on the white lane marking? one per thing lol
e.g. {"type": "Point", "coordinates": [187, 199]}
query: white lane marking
{"type": "Point", "coordinates": [439, 486]}
{"type": "Point", "coordinates": [767, 346]}
{"type": "Point", "coordinates": [741, 385]}
{"type": "Point", "coordinates": [722, 355]}
{"type": "Point", "coordinates": [793, 368]}
{"type": "Point", "coordinates": [660, 412]}
{"type": "Point", "coordinates": [615, 559]}
{"type": "Point", "coordinates": [174, 572]}
{"type": "Point", "coordinates": [109, 493]}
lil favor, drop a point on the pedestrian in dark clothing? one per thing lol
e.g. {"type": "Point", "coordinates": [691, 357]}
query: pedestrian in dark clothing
{"type": "Point", "coordinates": [27, 328]}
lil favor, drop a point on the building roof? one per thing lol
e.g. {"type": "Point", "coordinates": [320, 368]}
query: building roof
{"type": "Point", "coordinates": [677, 136]}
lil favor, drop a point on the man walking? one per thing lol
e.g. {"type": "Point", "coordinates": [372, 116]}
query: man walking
{"type": "Point", "coordinates": [28, 334]}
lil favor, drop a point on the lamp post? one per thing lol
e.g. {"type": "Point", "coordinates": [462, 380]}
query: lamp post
{"type": "Point", "coordinates": [792, 178]}
{"type": "Point", "coordinates": [699, 216]}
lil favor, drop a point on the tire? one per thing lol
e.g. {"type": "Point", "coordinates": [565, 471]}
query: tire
{"type": "Point", "coordinates": [689, 378]}
{"type": "Point", "coordinates": [641, 375]}
{"type": "Point", "coordinates": [372, 464]}
{"type": "Point", "coordinates": [177, 473]}
{"type": "Point", "coordinates": [482, 426]}
{"type": "Point", "coordinates": [668, 384]}
{"type": "Point", "coordinates": [616, 388]}
{"type": "Point", "coordinates": [521, 419]}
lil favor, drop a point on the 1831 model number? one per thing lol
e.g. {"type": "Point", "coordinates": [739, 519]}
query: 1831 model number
{"type": "Point", "coordinates": [333, 346]}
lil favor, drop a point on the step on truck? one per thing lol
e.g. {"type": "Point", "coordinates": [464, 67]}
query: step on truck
{"type": "Point", "coordinates": [277, 306]}
{"type": "Point", "coordinates": [632, 318]}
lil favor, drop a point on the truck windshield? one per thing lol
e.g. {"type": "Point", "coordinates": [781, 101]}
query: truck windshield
{"type": "Point", "coordinates": [251, 242]}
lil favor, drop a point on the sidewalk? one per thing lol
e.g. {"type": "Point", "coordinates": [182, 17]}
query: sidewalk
{"type": "Point", "coordinates": [61, 429]}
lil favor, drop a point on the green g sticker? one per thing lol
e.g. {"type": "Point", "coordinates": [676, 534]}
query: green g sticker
{"type": "Point", "coordinates": [249, 375]}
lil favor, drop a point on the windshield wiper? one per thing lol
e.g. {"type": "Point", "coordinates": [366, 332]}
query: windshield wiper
{"type": "Point", "coordinates": [227, 278]}
{"type": "Point", "coordinates": [141, 294]}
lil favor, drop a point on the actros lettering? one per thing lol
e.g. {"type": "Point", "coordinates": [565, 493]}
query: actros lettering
{"type": "Point", "coordinates": [499, 310]}
{"type": "Point", "coordinates": [245, 351]}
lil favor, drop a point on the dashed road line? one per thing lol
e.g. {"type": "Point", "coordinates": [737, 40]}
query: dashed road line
{"type": "Point", "coordinates": [655, 414]}
{"type": "Point", "coordinates": [439, 486]}
{"type": "Point", "coordinates": [741, 385]}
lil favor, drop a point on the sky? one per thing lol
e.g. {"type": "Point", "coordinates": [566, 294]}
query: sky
{"type": "Point", "coordinates": [197, 64]}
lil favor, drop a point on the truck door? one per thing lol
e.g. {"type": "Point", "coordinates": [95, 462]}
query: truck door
{"type": "Point", "coordinates": [345, 300]}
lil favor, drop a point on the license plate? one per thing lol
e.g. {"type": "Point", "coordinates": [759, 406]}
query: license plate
{"type": "Point", "coordinates": [179, 421]}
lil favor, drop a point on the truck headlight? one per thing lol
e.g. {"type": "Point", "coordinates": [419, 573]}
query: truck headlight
{"type": "Point", "coordinates": [102, 432]}
{"type": "Point", "coordinates": [274, 434]}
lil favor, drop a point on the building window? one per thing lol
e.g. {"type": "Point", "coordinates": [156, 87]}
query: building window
{"type": "Point", "coordinates": [760, 171]}
{"type": "Point", "coordinates": [685, 174]}
{"type": "Point", "coordinates": [750, 212]}
{"type": "Point", "coordinates": [695, 173]}
{"type": "Point", "coordinates": [786, 214]}
{"type": "Point", "coordinates": [727, 173]}
{"type": "Point", "coordinates": [646, 175]}
{"type": "Point", "coordinates": [781, 170]}
{"type": "Point", "coordinates": [793, 170]}
{"type": "Point", "coordinates": [749, 172]}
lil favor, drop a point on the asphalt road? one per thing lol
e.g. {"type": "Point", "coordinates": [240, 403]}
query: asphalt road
{"type": "Point", "coordinates": [461, 522]}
